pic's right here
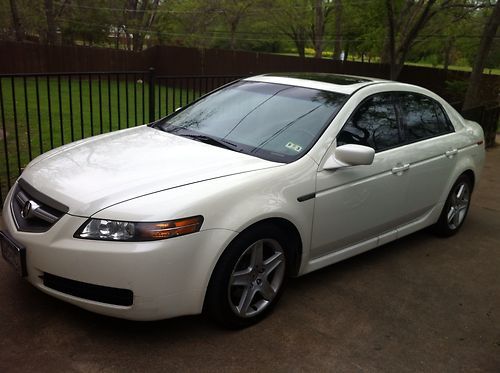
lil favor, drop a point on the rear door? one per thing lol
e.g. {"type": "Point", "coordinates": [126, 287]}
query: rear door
{"type": "Point", "coordinates": [429, 151]}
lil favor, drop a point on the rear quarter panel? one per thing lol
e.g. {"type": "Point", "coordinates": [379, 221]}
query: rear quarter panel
{"type": "Point", "coordinates": [471, 153]}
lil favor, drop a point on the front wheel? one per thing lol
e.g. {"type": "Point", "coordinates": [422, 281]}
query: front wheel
{"type": "Point", "coordinates": [249, 278]}
{"type": "Point", "coordinates": [456, 207]}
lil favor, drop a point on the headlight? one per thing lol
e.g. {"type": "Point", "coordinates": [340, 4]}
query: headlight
{"type": "Point", "coordinates": [112, 230]}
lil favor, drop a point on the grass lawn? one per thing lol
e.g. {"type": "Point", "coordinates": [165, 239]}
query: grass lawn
{"type": "Point", "coordinates": [486, 71]}
{"type": "Point", "coordinates": [328, 55]}
{"type": "Point", "coordinates": [42, 113]}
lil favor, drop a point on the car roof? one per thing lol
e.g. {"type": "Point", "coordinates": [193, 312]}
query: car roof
{"type": "Point", "coordinates": [346, 84]}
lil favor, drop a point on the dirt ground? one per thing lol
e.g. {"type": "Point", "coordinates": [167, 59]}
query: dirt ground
{"type": "Point", "coordinates": [420, 304]}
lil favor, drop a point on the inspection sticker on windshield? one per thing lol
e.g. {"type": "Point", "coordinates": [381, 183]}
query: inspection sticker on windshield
{"type": "Point", "coordinates": [291, 145]}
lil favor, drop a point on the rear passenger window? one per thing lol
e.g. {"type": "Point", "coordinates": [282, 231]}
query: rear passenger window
{"type": "Point", "coordinates": [423, 117]}
{"type": "Point", "coordinates": [373, 124]}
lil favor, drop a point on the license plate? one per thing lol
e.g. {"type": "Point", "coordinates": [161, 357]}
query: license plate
{"type": "Point", "coordinates": [13, 253]}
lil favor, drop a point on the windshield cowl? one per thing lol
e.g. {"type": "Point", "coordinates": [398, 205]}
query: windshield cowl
{"type": "Point", "coordinates": [213, 141]}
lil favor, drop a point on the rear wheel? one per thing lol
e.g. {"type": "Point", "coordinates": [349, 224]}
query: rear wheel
{"type": "Point", "coordinates": [249, 278]}
{"type": "Point", "coordinates": [456, 207]}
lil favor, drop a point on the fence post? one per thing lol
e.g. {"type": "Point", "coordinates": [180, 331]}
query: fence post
{"type": "Point", "coordinates": [151, 94]}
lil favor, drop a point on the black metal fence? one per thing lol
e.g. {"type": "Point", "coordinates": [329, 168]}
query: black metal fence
{"type": "Point", "coordinates": [39, 112]}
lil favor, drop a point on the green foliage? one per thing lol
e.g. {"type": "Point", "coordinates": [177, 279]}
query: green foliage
{"type": "Point", "coordinates": [363, 27]}
{"type": "Point", "coordinates": [281, 26]}
{"type": "Point", "coordinates": [90, 25]}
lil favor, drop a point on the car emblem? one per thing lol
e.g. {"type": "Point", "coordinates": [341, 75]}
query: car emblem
{"type": "Point", "coordinates": [27, 210]}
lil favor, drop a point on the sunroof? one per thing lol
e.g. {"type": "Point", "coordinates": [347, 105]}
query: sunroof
{"type": "Point", "coordinates": [324, 77]}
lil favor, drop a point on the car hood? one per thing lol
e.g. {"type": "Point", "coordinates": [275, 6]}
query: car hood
{"type": "Point", "coordinates": [98, 172]}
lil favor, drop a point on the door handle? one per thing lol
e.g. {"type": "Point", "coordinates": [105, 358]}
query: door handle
{"type": "Point", "coordinates": [451, 153]}
{"type": "Point", "coordinates": [400, 168]}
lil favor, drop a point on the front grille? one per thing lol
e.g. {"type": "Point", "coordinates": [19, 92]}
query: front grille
{"type": "Point", "coordinates": [98, 293]}
{"type": "Point", "coordinates": [34, 211]}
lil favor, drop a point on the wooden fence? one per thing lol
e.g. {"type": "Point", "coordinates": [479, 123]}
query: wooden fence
{"type": "Point", "coordinates": [38, 58]}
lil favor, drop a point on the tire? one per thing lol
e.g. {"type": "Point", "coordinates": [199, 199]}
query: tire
{"type": "Point", "coordinates": [455, 209]}
{"type": "Point", "coordinates": [249, 278]}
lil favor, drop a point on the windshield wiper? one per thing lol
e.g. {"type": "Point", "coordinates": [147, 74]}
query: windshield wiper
{"type": "Point", "coordinates": [213, 141]}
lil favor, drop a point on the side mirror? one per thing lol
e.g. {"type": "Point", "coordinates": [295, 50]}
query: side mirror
{"type": "Point", "coordinates": [350, 155]}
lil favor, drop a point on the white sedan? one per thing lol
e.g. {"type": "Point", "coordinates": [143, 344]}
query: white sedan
{"type": "Point", "coordinates": [213, 207]}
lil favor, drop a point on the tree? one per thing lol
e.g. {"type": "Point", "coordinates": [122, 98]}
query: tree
{"type": "Point", "coordinates": [234, 11]}
{"type": "Point", "coordinates": [51, 15]}
{"type": "Point", "coordinates": [406, 19]}
{"type": "Point", "coordinates": [489, 32]}
{"type": "Point", "coordinates": [16, 21]}
{"type": "Point", "coordinates": [337, 44]}
{"type": "Point", "coordinates": [362, 32]}
{"type": "Point", "coordinates": [188, 22]}
{"type": "Point", "coordinates": [88, 24]}
{"type": "Point", "coordinates": [406, 24]}
{"type": "Point", "coordinates": [51, 24]}
{"type": "Point", "coordinates": [139, 16]}
{"type": "Point", "coordinates": [303, 20]}
{"type": "Point", "coordinates": [322, 10]}
{"type": "Point", "coordinates": [292, 18]}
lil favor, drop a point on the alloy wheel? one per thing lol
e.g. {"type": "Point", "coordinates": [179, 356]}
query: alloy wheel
{"type": "Point", "coordinates": [256, 278]}
{"type": "Point", "coordinates": [459, 204]}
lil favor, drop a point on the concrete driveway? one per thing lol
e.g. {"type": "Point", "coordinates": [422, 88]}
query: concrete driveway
{"type": "Point", "coordinates": [418, 304]}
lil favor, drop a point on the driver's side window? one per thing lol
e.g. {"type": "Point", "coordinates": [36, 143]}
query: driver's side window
{"type": "Point", "coordinates": [374, 123]}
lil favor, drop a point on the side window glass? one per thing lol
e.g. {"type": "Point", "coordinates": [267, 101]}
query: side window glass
{"type": "Point", "coordinates": [422, 117]}
{"type": "Point", "coordinates": [374, 123]}
{"type": "Point", "coordinates": [443, 119]}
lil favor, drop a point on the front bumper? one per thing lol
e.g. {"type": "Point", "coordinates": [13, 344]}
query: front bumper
{"type": "Point", "coordinates": [168, 278]}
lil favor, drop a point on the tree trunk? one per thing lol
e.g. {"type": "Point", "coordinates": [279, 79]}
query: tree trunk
{"type": "Point", "coordinates": [139, 12]}
{"type": "Point", "coordinates": [137, 41]}
{"type": "Point", "coordinates": [117, 38]}
{"type": "Point", "coordinates": [318, 28]}
{"type": "Point", "coordinates": [384, 54]}
{"type": "Point", "coordinates": [51, 25]}
{"type": "Point", "coordinates": [300, 44]}
{"type": "Point", "coordinates": [16, 22]}
{"type": "Point", "coordinates": [337, 46]}
{"type": "Point", "coordinates": [127, 40]}
{"type": "Point", "coordinates": [150, 19]}
{"type": "Point", "coordinates": [233, 17]}
{"type": "Point", "coordinates": [232, 29]}
{"type": "Point", "coordinates": [145, 21]}
{"type": "Point", "coordinates": [390, 50]}
{"type": "Point", "coordinates": [447, 54]}
{"type": "Point", "coordinates": [346, 52]}
{"type": "Point", "coordinates": [489, 32]}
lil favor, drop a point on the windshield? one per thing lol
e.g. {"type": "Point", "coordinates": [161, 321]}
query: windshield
{"type": "Point", "coordinates": [271, 121]}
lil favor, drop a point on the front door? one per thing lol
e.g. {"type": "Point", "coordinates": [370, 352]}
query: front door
{"type": "Point", "coordinates": [354, 204]}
